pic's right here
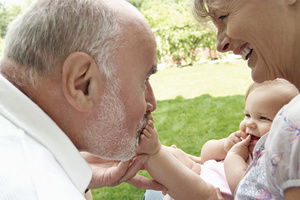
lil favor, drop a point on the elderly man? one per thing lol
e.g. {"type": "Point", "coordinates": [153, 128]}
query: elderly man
{"type": "Point", "coordinates": [74, 78]}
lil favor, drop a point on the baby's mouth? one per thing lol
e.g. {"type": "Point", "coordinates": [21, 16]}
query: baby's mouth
{"type": "Point", "coordinates": [254, 138]}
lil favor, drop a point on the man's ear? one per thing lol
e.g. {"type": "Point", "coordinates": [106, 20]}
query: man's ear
{"type": "Point", "coordinates": [82, 83]}
{"type": "Point", "coordinates": [290, 2]}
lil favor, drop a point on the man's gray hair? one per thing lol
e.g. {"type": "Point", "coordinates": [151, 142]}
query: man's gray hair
{"type": "Point", "coordinates": [49, 30]}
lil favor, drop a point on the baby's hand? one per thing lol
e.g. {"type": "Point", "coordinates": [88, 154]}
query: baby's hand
{"type": "Point", "coordinates": [233, 139]}
{"type": "Point", "coordinates": [241, 148]}
{"type": "Point", "coordinates": [149, 142]}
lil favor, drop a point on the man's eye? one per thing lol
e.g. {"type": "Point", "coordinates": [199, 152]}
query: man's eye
{"type": "Point", "coordinates": [145, 83]}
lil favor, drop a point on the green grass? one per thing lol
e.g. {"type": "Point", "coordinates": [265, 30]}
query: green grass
{"type": "Point", "coordinates": [195, 104]}
{"type": "Point", "coordinates": [221, 79]}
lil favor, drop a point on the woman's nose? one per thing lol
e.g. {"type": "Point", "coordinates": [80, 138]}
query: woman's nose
{"type": "Point", "coordinates": [223, 43]}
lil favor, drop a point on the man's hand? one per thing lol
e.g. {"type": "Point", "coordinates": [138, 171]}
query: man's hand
{"type": "Point", "coordinates": [112, 173]}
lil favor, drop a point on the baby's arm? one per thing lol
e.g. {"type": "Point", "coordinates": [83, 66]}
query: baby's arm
{"type": "Point", "coordinates": [217, 149]}
{"type": "Point", "coordinates": [235, 163]}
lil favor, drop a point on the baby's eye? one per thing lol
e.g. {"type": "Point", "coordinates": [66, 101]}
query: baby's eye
{"type": "Point", "coordinates": [247, 115]}
{"type": "Point", "coordinates": [265, 118]}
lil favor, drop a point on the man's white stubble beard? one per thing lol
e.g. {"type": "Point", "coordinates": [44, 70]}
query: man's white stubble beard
{"type": "Point", "coordinates": [107, 136]}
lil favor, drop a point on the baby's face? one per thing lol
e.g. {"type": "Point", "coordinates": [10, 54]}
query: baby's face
{"type": "Point", "coordinates": [259, 114]}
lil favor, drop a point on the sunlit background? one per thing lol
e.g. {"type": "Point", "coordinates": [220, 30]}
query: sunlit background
{"type": "Point", "coordinates": [8, 2]}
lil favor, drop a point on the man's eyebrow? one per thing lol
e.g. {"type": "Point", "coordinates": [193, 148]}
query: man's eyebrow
{"type": "Point", "coordinates": [153, 70]}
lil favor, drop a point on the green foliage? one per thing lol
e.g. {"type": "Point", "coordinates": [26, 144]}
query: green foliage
{"type": "Point", "coordinates": [180, 39]}
{"type": "Point", "coordinates": [8, 14]}
{"type": "Point", "coordinates": [3, 19]}
{"type": "Point", "coordinates": [137, 3]}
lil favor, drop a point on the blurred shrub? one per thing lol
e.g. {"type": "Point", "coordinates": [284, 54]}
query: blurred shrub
{"type": "Point", "coordinates": [8, 14]}
{"type": "Point", "coordinates": [180, 39]}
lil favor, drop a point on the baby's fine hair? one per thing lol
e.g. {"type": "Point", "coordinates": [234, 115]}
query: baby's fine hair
{"type": "Point", "coordinates": [282, 87]}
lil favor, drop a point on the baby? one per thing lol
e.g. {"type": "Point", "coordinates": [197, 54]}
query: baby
{"type": "Point", "coordinates": [164, 164]}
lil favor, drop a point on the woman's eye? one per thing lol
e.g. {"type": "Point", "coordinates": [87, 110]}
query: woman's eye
{"type": "Point", "coordinates": [222, 17]}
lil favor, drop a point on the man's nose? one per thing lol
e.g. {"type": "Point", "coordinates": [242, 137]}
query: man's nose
{"type": "Point", "coordinates": [150, 98]}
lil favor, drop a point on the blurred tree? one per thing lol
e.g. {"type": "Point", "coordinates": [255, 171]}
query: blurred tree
{"type": "Point", "coordinates": [3, 19]}
{"type": "Point", "coordinates": [137, 3]}
{"type": "Point", "coordinates": [9, 12]}
{"type": "Point", "coordinates": [180, 39]}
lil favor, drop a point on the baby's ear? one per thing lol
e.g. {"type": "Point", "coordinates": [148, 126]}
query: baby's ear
{"type": "Point", "coordinates": [80, 81]}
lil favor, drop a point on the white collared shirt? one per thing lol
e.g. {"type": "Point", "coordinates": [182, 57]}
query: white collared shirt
{"type": "Point", "coordinates": [37, 159]}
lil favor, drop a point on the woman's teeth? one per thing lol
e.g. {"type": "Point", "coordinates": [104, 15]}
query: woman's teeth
{"type": "Point", "coordinates": [246, 52]}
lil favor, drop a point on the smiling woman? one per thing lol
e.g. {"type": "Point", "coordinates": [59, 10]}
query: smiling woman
{"type": "Point", "coordinates": [266, 34]}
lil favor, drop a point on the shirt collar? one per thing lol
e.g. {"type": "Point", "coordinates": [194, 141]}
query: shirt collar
{"type": "Point", "coordinates": [19, 109]}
